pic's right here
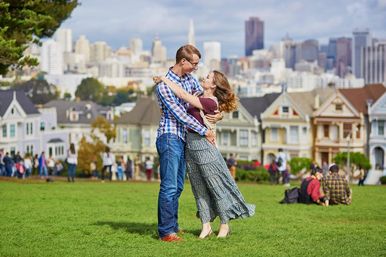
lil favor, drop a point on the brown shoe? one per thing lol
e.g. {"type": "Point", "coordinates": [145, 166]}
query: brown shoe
{"type": "Point", "coordinates": [171, 238]}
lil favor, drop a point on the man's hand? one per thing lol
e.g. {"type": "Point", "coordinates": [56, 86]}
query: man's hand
{"type": "Point", "coordinates": [211, 136]}
{"type": "Point", "coordinates": [215, 117]}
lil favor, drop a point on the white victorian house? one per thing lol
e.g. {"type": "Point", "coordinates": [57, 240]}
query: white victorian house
{"type": "Point", "coordinates": [377, 140]}
{"type": "Point", "coordinates": [24, 130]}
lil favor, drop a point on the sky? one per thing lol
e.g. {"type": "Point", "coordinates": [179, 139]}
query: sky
{"type": "Point", "coordinates": [118, 21]}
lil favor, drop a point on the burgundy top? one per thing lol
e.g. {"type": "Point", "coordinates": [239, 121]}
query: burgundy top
{"type": "Point", "coordinates": [210, 106]}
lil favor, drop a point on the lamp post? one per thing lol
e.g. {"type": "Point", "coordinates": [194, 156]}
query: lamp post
{"type": "Point", "coordinates": [348, 157]}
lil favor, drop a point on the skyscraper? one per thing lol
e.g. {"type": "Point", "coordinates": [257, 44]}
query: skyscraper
{"type": "Point", "coordinates": [158, 51]}
{"type": "Point", "coordinates": [374, 63]}
{"type": "Point", "coordinates": [310, 50]}
{"type": "Point", "coordinates": [82, 46]}
{"type": "Point", "coordinates": [51, 58]}
{"type": "Point", "coordinates": [361, 39]}
{"type": "Point", "coordinates": [64, 38]}
{"type": "Point", "coordinates": [212, 55]}
{"type": "Point", "coordinates": [343, 56]}
{"type": "Point", "coordinates": [254, 35]}
{"type": "Point", "coordinates": [191, 39]}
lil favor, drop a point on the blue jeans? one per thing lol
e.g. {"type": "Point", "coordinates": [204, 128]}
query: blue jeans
{"type": "Point", "coordinates": [71, 171]}
{"type": "Point", "coordinates": [43, 171]}
{"type": "Point", "coordinates": [171, 151]}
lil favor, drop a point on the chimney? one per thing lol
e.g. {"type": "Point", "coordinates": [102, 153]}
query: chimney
{"type": "Point", "coordinates": [316, 102]}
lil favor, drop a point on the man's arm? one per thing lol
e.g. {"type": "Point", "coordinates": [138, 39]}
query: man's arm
{"type": "Point", "coordinates": [170, 101]}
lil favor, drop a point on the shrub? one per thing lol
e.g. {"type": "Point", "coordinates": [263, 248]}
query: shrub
{"type": "Point", "coordinates": [299, 163]}
{"type": "Point", "coordinates": [383, 180]}
{"type": "Point", "coordinates": [258, 175]}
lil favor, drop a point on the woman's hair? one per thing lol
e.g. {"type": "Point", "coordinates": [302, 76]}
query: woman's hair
{"type": "Point", "coordinates": [187, 52]}
{"type": "Point", "coordinates": [226, 98]}
{"type": "Point", "coordinates": [72, 148]}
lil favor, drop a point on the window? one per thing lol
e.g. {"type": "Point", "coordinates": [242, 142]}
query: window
{"type": "Point", "coordinates": [235, 115]}
{"type": "Point", "coordinates": [294, 134]}
{"type": "Point", "coordinates": [381, 127]}
{"type": "Point", "coordinates": [244, 137]}
{"type": "Point", "coordinates": [29, 126]}
{"type": "Point", "coordinates": [274, 134]}
{"type": "Point", "coordinates": [42, 126]}
{"type": "Point", "coordinates": [285, 109]}
{"type": "Point", "coordinates": [304, 130]}
{"type": "Point", "coordinates": [146, 138]}
{"type": "Point", "coordinates": [124, 136]}
{"type": "Point", "coordinates": [225, 138]}
{"type": "Point", "coordinates": [4, 128]}
{"type": "Point", "coordinates": [358, 131]}
{"type": "Point", "coordinates": [338, 107]}
{"type": "Point", "coordinates": [254, 139]}
{"type": "Point", "coordinates": [346, 129]}
{"type": "Point", "coordinates": [12, 130]}
{"type": "Point", "coordinates": [326, 131]}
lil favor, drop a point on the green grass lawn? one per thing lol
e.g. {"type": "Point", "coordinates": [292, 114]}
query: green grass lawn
{"type": "Point", "coordinates": [120, 219]}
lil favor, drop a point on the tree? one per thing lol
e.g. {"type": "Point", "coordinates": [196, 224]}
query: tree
{"type": "Point", "coordinates": [39, 91]}
{"type": "Point", "coordinates": [299, 163]}
{"type": "Point", "coordinates": [90, 89]}
{"type": "Point", "coordinates": [24, 22]}
{"type": "Point", "coordinates": [356, 159]}
{"type": "Point", "coordinates": [104, 127]}
{"type": "Point", "coordinates": [89, 151]}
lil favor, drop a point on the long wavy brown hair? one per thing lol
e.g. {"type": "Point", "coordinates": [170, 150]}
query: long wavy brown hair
{"type": "Point", "coordinates": [227, 100]}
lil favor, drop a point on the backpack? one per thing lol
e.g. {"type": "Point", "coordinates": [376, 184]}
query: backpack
{"type": "Point", "coordinates": [291, 196]}
{"type": "Point", "coordinates": [279, 161]}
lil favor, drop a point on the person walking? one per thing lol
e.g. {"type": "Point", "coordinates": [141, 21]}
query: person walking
{"type": "Point", "coordinates": [72, 161]}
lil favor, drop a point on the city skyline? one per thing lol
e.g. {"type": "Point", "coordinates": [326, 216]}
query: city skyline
{"type": "Point", "coordinates": [222, 21]}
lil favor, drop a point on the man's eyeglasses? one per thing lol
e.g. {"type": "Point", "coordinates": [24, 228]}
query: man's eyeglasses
{"type": "Point", "coordinates": [194, 64]}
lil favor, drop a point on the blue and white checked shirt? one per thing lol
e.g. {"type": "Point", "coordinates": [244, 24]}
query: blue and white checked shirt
{"type": "Point", "coordinates": [174, 115]}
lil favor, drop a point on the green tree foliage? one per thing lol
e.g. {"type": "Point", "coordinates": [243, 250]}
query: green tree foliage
{"type": "Point", "coordinates": [26, 21]}
{"type": "Point", "coordinates": [90, 89]}
{"type": "Point", "coordinates": [39, 91]}
{"type": "Point", "coordinates": [356, 159]}
{"type": "Point", "coordinates": [299, 163]}
{"type": "Point", "coordinates": [101, 124]}
{"type": "Point", "coordinates": [89, 151]}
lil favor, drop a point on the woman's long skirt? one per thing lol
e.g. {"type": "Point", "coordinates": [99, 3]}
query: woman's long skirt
{"type": "Point", "coordinates": [215, 191]}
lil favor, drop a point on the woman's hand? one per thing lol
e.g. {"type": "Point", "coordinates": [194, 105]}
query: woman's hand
{"type": "Point", "coordinates": [157, 79]}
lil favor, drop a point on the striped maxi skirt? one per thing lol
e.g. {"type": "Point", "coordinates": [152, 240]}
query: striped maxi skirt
{"type": "Point", "coordinates": [215, 191]}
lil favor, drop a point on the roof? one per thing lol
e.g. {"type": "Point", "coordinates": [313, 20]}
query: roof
{"type": "Point", "coordinates": [56, 140]}
{"type": "Point", "coordinates": [305, 101]}
{"type": "Point", "coordinates": [145, 112]}
{"type": "Point", "coordinates": [87, 110]}
{"type": "Point", "coordinates": [6, 97]}
{"type": "Point", "coordinates": [358, 97]}
{"type": "Point", "coordinates": [257, 105]}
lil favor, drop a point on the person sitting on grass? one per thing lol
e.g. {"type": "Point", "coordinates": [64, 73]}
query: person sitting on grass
{"type": "Point", "coordinates": [310, 189]}
{"type": "Point", "coordinates": [336, 187]}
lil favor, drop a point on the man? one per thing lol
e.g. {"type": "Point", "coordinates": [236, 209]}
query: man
{"type": "Point", "coordinates": [281, 162]}
{"type": "Point", "coordinates": [310, 188]}
{"type": "Point", "coordinates": [336, 187]}
{"type": "Point", "coordinates": [171, 139]}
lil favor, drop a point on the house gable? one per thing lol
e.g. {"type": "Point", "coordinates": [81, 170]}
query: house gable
{"type": "Point", "coordinates": [336, 106]}
{"type": "Point", "coordinates": [14, 111]}
{"type": "Point", "coordinates": [284, 108]}
{"type": "Point", "coordinates": [379, 107]}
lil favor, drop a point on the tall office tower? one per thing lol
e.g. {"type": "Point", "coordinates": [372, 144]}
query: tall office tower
{"type": "Point", "coordinates": [136, 46]}
{"type": "Point", "coordinates": [212, 55]}
{"type": "Point", "coordinates": [64, 38]}
{"type": "Point", "coordinates": [331, 53]}
{"type": "Point", "coordinates": [82, 47]}
{"type": "Point", "coordinates": [254, 35]}
{"type": "Point", "coordinates": [309, 50]}
{"type": "Point", "coordinates": [343, 56]}
{"type": "Point", "coordinates": [361, 39]}
{"type": "Point", "coordinates": [289, 52]}
{"type": "Point", "coordinates": [51, 58]}
{"type": "Point", "coordinates": [374, 63]}
{"type": "Point", "coordinates": [158, 51]}
{"type": "Point", "coordinates": [191, 39]}
{"type": "Point", "coordinates": [99, 51]}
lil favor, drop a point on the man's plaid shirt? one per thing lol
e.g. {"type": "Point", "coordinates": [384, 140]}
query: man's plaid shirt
{"type": "Point", "coordinates": [174, 115]}
{"type": "Point", "coordinates": [336, 189]}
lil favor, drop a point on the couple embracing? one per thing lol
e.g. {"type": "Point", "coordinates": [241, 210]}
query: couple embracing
{"type": "Point", "coordinates": [186, 139]}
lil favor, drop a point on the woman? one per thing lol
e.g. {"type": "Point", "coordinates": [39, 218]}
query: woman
{"type": "Point", "coordinates": [72, 160]}
{"type": "Point", "coordinates": [214, 189]}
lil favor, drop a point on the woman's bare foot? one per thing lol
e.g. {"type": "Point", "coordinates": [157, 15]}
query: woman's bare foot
{"type": "Point", "coordinates": [224, 231]}
{"type": "Point", "coordinates": [206, 231]}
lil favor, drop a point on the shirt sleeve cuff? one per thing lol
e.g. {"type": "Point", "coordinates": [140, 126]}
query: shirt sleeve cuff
{"type": "Point", "coordinates": [203, 131]}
